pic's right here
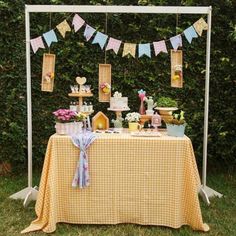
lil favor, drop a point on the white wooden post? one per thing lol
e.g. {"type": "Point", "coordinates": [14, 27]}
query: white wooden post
{"type": "Point", "coordinates": [207, 192]}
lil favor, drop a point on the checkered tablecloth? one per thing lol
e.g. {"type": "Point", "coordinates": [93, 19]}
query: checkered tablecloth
{"type": "Point", "coordinates": [141, 180]}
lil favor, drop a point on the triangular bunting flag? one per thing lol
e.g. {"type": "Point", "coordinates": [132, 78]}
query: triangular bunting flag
{"type": "Point", "coordinates": [144, 49]}
{"type": "Point", "coordinates": [63, 27]}
{"type": "Point", "coordinates": [88, 32]}
{"type": "Point", "coordinates": [200, 25]}
{"type": "Point", "coordinates": [37, 43]}
{"type": "Point", "coordinates": [100, 38]}
{"type": "Point", "coordinates": [190, 33]}
{"type": "Point", "coordinates": [50, 37]}
{"type": "Point", "coordinates": [160, 46]}
{"type": "Point", "coordinates": [113, 44]}
{"type": "Point", "coordinates": [129, 48]}
{"type": "Point", "coordinates": [77, 22]}
{"type": "Point", "coordinates": [176, 41]}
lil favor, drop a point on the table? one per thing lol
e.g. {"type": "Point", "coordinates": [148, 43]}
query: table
{"type": "Point", "coordinates": [141, 180]}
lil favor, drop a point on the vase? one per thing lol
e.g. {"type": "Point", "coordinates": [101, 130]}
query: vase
{"type": "Point", "coordinates": [142, 108]}
{"type": "Point", "coordinates": [134, 126]}
{"type": "Point", "coordinates": [69, 128]}
{"type": "Point", "coordinates": [175, 130]}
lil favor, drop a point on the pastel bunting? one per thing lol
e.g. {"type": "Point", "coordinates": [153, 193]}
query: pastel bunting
{"type": "Point", "coordinates": [77, 22]}
{"type": "Point", "coordinates": [129, 48]}
{"type": "Point", "coordinates": [63, 27]}
{"type": "Point", "coordinates": [200, 25]}
{"type": "Point", "coordinates": [101, 39]}
{"type": "Point", "coordinates": [190, 33]}
{"type": "Point", "coordinates": [176, 41]}
{"type": "Point", "coordinates": [37, 43]}
{"type": "Point", "coordinates": [113, 44]}
{"type": "Point", "coordinates": [50, 37]}
{"type": "Point", "coordinates": [144, 49]}
{"type": "Point", "coordinates": [160, 46]}
{"type": "Point", "coordinates": [88, 32]}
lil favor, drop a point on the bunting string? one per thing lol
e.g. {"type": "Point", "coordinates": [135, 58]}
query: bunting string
{"type": "Point", "coordinates": [109, 43]}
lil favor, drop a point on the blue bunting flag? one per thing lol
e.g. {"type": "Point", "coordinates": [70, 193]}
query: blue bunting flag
{"type": "Point", "coordinates": [144, 49]}
{"type": "Point", "coordinates": [50, 37]}
{"type": "Point", "coordinates": [190, 33]}
{"type": "Point", "coordinates": [176, 41]}
{"type": "Point", "coordinates": [100, 38]}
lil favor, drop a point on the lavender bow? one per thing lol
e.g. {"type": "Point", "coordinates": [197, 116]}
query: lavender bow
{"type": "Point", "coordinates": [82, 141]}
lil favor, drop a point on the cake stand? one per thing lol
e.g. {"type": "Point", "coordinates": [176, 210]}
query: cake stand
{"type": "Point", "coordinates": [118, 111]}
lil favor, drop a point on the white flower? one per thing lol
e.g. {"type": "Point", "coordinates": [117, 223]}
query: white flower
{"type": "Point", "coordinates": [132, 117]}
{"type": "Point", "coordinates": [117, 94]}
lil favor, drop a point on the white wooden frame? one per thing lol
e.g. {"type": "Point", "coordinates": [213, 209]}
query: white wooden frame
{"type": "Point", "coordinates": [30, 193]}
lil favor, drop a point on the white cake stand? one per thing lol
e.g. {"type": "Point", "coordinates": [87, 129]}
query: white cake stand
{"type": "Point", "coordinates": [118, 111]}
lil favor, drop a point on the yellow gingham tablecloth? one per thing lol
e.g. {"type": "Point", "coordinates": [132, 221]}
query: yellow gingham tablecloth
{"type": "Point", "coordinates": [141, 180]}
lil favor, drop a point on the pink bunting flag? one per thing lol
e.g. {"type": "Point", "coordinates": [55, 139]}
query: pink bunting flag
{"type": "Point", "coordinates": [113, 44]}
{"type": "Point", "coordinates": [160, 46]}
{"type": "Point", "coordinates": [37, 43]}
{"type": "Point", "coordinates": [77, 22]}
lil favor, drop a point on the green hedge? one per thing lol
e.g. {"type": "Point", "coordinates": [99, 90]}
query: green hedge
{"type": "Point", "coordinates": [76, 57]}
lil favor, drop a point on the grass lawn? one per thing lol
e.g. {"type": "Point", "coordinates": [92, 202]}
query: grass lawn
{"type": "Point", "coordinates": [220, 215]}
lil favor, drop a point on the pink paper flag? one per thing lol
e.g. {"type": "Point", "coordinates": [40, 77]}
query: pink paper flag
{"type": "Point", "coordinates": [77, 22]}
{"type": "Point", "coordinates": [160, 46]}
{"type": "Point", "coordinates": [36, 43]}
{"type": "Point", "coordinates": [113, 44]}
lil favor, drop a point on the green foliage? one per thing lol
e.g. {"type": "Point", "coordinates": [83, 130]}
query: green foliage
{"type": "Point", "coordinates": [76, 57]}
{"type": "Point", "coordinates": [166, 102]}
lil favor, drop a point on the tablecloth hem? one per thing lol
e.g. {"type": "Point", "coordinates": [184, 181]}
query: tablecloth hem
{"type": "Point", "coordinates": [205, 227]}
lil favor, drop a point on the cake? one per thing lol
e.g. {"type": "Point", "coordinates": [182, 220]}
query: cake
{"type": "Point", "coordinates": [117, 102]}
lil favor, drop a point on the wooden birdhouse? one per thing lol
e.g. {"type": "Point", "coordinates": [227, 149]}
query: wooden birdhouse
{"type": "Point", "coordinates": [100, 121]}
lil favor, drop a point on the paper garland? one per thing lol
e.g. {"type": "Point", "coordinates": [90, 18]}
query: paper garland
{"type": "Point", "coordinates": [100, 38]}
{"type": "Point", "coordinates": [63, 27]}
{"type": "Point", "coordinates": [114, 44]}
{"type": "Point", "coordinates": [50, 37]}
{"type": "Point", "coordinates": [77, 22]}
{"type": "Point", "coordinates": [200, 25]}
{"type": "Point", "coordinates": [129, 48]}
{"type": "Point", "coordinates": [37, 43]}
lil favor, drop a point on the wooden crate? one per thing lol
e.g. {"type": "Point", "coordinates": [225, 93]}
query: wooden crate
{"type": "Point", "coordinates": [48, 67]}
{"type": "Point", "coordinates": [176, 59]}
{"type": "Point", "coordinates": [104, 77]}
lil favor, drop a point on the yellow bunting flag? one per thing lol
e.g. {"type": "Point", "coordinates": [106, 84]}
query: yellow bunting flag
{"type": "Point", "coordinates": [129, 48]}
{"type": "Point", "coordinates": [63, 27]}
{"type": "Point", "coordinates": [200, 25]}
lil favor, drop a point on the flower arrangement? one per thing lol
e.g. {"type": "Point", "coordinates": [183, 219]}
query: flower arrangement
{"type": "Point", "coordinates": [117, 95]}
{"type": "Point", "coordinates": [142, 94]}
{"type": "Point", "coordinates": [64, 115]}
{"type": "Point", "coordinates": [178, 118]}
{"type": "Point", "coordinates": [80, 117]}
{"type": "Point", "coordinates": [49, 76]}
{"type": "Point", "coordinates": [132, 117]}
{"type": "Point", "coordinates": [177, 72]}
{"type": "Point", "coordinates": [105, 87]}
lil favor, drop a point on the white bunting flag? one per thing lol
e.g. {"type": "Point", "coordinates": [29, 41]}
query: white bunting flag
{"type": "Point", "coordinates": [77, 22]}
{"type": "Point", "coordinates": [113, 44]}
{"type": "Point", "coordinates": [37, 43]}
{"type": "Point", "coordinates": [160, 46]}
